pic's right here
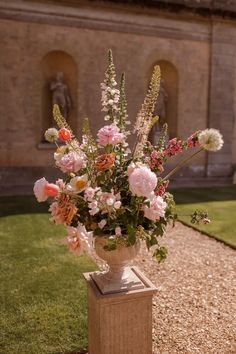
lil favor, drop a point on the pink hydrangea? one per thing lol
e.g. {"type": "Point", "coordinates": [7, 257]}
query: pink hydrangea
{"type": "Point", "coordinates": [142, 181]}
{"type": "Point", "coordinates": [173, 148]}
{"type": "Point", "coordinates": [71, 162]}
{"type": "Point", "coordinates": [110, 134]}
{"type": "Point", "coordinates": [156, 209]}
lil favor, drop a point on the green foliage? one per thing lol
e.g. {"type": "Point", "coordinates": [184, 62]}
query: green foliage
{"type": "Point", "coordinates": [160, 254]}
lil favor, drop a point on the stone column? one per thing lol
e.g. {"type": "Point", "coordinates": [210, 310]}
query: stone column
{"type": "Point", "coordinates": [120, 323]}
{"type": "Point", "coordinates": [222, 91]}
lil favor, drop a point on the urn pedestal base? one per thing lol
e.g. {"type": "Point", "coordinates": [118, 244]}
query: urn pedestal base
{"type": "Point", "coordinates": [125, 280]}
{"type": "Point", "coordinates": [120, 322]}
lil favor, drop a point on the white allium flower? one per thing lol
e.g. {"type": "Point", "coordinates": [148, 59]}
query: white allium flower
{"type": "Point", "coordinates": [211, 139]}
{"type": "Point", "coordinates": [51, 135]}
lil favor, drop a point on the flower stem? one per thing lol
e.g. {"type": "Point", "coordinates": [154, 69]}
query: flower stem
{"type": "Point", "coordinates": [181, 164]}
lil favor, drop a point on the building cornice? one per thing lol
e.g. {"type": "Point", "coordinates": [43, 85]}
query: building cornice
{"type": "Point", "coordinates": [106, 19]}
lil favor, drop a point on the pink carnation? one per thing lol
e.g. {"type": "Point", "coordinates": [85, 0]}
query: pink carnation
{"type": "Point", "coordinates": [156, 209]}
{"type": "Point", "coordinates": [142, 181]}
{"type": "Point", "coordinates": [110, 134]}
{"type": "Point", "coordinates": [71, 162]}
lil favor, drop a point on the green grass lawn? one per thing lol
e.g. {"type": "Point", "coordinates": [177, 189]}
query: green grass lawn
{"type": "Point", "coordinates": [43, 294]}
{"type": "Point", "coordinates": [219, 202]}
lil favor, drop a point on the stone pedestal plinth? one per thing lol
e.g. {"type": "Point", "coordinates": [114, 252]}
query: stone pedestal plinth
{"type": "Point", "coordinates": [120, 323]}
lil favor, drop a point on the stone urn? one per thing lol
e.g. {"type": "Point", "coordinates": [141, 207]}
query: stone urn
{"type": "Point", "coordinates": [120, 277]}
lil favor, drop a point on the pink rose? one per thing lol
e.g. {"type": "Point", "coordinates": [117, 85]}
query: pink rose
{"type": "Point", "coordinates": [110, 134]}
{"type": "Point", "coordinates": [156, 209]}
{"type": "Point", "coordinates": [39, 190]}
{"type": "Point", "coordinates": [142, 181]}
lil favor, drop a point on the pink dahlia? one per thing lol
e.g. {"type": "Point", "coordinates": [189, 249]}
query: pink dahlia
{"type": "Point", "coordinates": [156, 209]}
{"type": "Point", "coordinates": [142, 181]}
{"type": "Point", "coordinates": [110, 134]}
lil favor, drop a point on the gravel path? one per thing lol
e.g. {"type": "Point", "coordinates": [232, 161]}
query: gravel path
{"type": "Point", "coordinates": [194, 311]}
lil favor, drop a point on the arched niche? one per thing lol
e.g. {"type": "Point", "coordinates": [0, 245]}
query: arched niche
{"type": "Point", "coordinates": [52, 63]}
{"type": "Point", "coordinates": [169, 94]}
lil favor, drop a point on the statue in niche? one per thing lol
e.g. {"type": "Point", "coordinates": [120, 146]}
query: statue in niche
{"type": "Point", "coordinates": [60, 94]}
{"type": "Point", "coordinates": [160, 111]}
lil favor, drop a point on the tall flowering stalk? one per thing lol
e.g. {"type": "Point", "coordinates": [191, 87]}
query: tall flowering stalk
{"type": "Point", "coordinates": [109, 191]}
{"type": "Point", "coordinates": [145, 119]}
{"type": "Point", "coordinates": [110, 94]}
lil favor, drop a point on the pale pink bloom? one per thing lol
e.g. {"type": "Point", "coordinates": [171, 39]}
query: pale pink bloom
{"type": "Point", "coordinates": [108, 201]}
{"type": "Point", "coordinates": [93, 207]}
{"type": "Point", "coordinates": [51, 190]}
{"type": "Point", "coordinates": [117, 204]}
{"type": "Point", "coordinates": [142, 181]}
{"type": "Point", "coordinates": [156, 209]}
{"type": "Point", "coordinates": [110, 134]}
{"type": "Point", "coordinates": [132, 166]}
{"type": "Point", "coordinates": [90, 192]}
{"type": "Point", "coordinates": [78, 239]}
{"type": "Point", "coordinates": [102, 223]}
{"type": "Point", "coordinates": [73, 240]}
{"type": "Point", "coordinates": [60, 183]}
{"type": "Point", "coordinates": [39, 190]}
{"type": "Point", "coordinates": [71, 162]}
{"type": "Point", "coordinates": [118, 231]}
{"type": "Point", "coordinates": [206, 221]}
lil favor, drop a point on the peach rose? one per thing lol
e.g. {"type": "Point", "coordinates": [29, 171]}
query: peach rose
{"type": "Point", "coordinates": [105, 162]}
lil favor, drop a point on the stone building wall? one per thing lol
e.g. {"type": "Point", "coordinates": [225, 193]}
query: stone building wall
{"type": "Point", "coordinates": [200, 50]}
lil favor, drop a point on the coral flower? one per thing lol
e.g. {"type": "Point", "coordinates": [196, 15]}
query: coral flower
{"type": "Point", "coordinates": [105, 162]}
{"type": "Point", "coordinates": [51, 190]}
{"type": "Point", "coordinates": [64, 134]}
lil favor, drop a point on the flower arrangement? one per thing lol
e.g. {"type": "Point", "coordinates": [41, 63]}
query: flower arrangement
{"type": "Point", "coordinates": [109, 189]}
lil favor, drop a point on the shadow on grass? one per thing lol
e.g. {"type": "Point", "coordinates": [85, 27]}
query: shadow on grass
{"type": "Point", "coordinates": [21, 205]}
{"type": "Point", "coordinates": [200, 195]}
